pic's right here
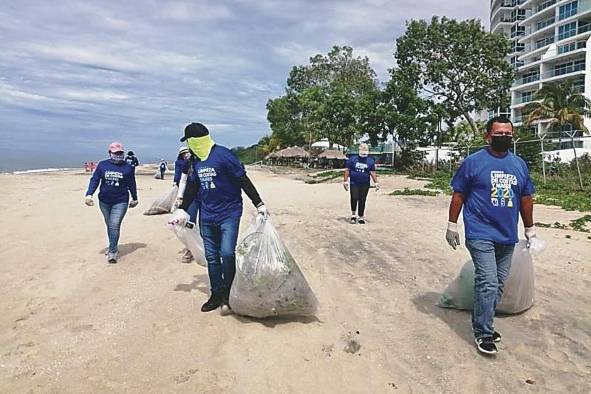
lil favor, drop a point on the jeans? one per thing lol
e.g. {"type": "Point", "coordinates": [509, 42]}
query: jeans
{"type": "Point", "coordinates": [113, 215]}
{"type": "Point", "coordinates": [359, 196]}
{"type": "Point", "coordinates": [492, 262]}
{"type": "Point", "coordinates": [219, 241]}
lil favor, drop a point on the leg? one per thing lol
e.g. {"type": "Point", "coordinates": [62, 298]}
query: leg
{"type": "Point", "coordinates": [106, 211]}
{"type": "Point", "coordinates": [211, 242]}
{"type": "Point", "coordinates": [354, 190]}
{"type": "Point", "coordinates": [503, 255]}
{"type": "Point", "coordinates": [485, 286]}
{"type": "Point", "coordinates": [363, 190]}
{"type": "Point", "coordinates": [229, 237]}
{"type": "Point", "coordinates": [118, 212]}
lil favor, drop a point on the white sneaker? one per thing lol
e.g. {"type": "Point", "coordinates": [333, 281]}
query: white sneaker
{"type": "Point", "coordinates": [112, 257]}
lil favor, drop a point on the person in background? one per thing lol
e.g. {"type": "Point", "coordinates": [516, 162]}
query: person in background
{"type": "Point", "coordinates": [494, 187]}
{"type": "Point", "coordinates": [86, 167]}
{"type": "Point", "coordinates": [117, 181]}
{"type": "Point", "coordinates": [218, 180]}
{"type": "Point", "coordinates": [162, 167]}
{"type": "Point", "coordinates": [132, 159]}
{"type": "Point", "coordinates": [358, 171]}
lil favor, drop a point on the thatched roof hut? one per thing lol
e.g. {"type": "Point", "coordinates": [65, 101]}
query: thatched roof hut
{"type": "Point", "coordinates": [332, 154]}
{"type": "Point", "coordinates": [294, 152]}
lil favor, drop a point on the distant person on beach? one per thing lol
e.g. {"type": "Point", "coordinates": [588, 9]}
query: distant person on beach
{"type": "Point", "coordinates": [182, 172]}
{"type": "Point", "coordinates": [162, 167]}
{"type": "Point", "coordinates": [86, 167]}
{"type": "Point", "coordinates": [117, 182]}
{"type": "Point", "coordinates": [358, 171]}
{"type": "Point", "coordinates": [218, 180]}
{"type": "Point", "coordinates": [132, 159]}
{"type": "Point", "coordinates": [494, 187]}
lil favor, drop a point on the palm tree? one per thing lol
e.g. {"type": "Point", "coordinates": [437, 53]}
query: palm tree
{"type": "Point", "coordinates": [560, 104]}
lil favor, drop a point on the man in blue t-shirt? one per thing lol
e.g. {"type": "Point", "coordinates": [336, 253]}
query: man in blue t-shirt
{"type": "Point", "coordinates": [358, 170]}
{"type": "Point", "coordinates": [217, 180]}
{"type": "Point", "coordinates": [494, 187]}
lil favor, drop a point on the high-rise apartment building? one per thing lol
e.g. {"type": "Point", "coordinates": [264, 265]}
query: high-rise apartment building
{"type": "Point", "coordinates": [549, 43]}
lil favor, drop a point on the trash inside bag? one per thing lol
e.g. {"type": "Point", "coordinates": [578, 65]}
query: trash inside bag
{"type": "Point", "coordinates": [518, 293]}
{"type": "Point", "coordinates": [268, 281]}
{"type": "Point", "coordinates": [189, 235]}
{"type": "Point", "coordinates": [157, 175]}
{"type": "Point", "coordinates": [164, 204]}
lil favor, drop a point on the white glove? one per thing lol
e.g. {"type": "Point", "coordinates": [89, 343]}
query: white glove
{"type": "Point", "coordinates": [133, 203]}
{"type": "Point", "coordinates": [262, 210]}
{"type": "Point", "coordinates": [377, 185]}
{"type": "Point", "coordinates": [530, 232]}
{"type": "Point", "coordinates": [452, 236]}
{"type": "Point", "coordinates": [88, 201]}
{"type": "Point", "coordinates": [346, 185]}
{"type": "Point", "coordinates": [179, 217]}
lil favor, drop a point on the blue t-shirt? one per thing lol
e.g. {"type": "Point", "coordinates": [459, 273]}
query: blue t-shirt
{"type": "Point", "coordinates": [220, 194]}
{"type": "Point", "coordinates": [117, 181]}
{"type": "Point", "coordinates": [492, 187]}
{"type": "Point", "coordinates": [359, 169]}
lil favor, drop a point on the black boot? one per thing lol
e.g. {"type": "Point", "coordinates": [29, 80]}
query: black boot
{"type": "Point", "coordinates": [215, 300]}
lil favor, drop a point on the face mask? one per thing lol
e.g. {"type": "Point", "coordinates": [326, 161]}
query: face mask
{"type": "Point", "coordinates": [363, 154]}
{"type": "Point", "coordinates": [501, 143]}
{"type": "Point", "coordinates": [116, 158]}
{"type": "Point", "coordinates": [200, 146]}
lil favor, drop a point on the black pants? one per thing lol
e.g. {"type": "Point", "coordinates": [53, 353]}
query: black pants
{"type": "Point", "coordinates": [359, 196]}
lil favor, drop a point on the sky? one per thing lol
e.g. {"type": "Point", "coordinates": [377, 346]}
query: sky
{"type": "Point", "coordinates": [76, 75]}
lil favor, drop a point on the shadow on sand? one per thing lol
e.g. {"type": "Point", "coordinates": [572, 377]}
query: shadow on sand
{"type": "Point", "coordinates": [271, 322]}
{"type": "Point", "coordinates": [125, 249]}
{"type": "Point", "coordinates": [458, 320]}
{"type": "Point", "coordinates": [200, 282]}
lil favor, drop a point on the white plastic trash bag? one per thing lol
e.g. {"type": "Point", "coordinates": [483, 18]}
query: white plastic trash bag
{"type": "Point", "coordinates": [164, 204]}
{"type": "Point", "coordinates": [190, 237]}
{"type": "Point", "coordinates": [518, 293]}
{"type": "Point", "coordinates": [157, 175]}
{"type": "Point", "coordinates": [268, 281]}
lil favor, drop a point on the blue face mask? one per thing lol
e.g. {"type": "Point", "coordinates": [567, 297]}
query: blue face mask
{"type": "Point", "coordinates": [117, 158]}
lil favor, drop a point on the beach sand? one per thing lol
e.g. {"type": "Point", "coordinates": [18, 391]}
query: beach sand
{"type": "Point", "coordinates": [71, 323]}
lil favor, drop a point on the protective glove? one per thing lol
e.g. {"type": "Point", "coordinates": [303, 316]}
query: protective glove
{"type": "Point", "coordinates": [346, 185]}
{"type": "Point", "coordinates": [452, 236]}
{"type": "Point", "coordinates": [133, 203]}
{"type": "Point", "coordinates": [178, 202]}
{"type": "Point", "coordinates": [377, 185]}
{"type": "Point", "coordinates": [530, 232]}
{"type": "Point", "coordinates": [88, 201]}
{"type": "Point", "coordinates": [179, 217]}
{"type": "Point", "coordinates": [262, 210]}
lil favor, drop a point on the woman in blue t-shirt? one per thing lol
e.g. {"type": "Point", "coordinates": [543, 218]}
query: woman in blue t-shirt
{"type": "Point", "coordinates": [117, 182]}
{"type": "Point", "coordinates": [358, 171]}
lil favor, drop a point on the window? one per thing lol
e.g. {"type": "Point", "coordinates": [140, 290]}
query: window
{"type": "Point", "coordinates": [567, 10]}
{"type": "Point", "coordinates": [579, 85]}
{"type": "Point", "coordinates": [567, 48]}
{"type": "Point", "coordinates": [566, 31]}
{"type": "Point", "coordinates": [526, 97]}
{"type": "Point", "coordinates": [569, 67]}
{"type": "Point", "coordinates": [544, 41]}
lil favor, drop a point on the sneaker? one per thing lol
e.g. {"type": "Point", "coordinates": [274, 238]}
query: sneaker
{"type": "Point", "coordinates": [112, 257]}
{"type": "Point", "coordinates": [361, 221]}
{"type": "Point", "coordinates": [486, 345]}
{"type": "Point", "coordinates": [215, 301]}
{"type": "Point", "coordinates": [353, 220]}
{"type": "Point", "coordinates": [496, 337]}
{"type": "Point", "coordinates": [187, 257]}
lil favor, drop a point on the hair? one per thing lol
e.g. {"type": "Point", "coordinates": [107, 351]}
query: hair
{"type": "Point", "coordinates": [497, 119]}
{"type": "Point", "coordinates": [363, 147]}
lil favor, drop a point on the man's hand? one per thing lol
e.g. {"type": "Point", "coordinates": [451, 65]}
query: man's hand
{"type": "Point", "coordinates": [133, 203]}
{"type": "Point", "coordinates": [346, 185]}
{"type": "Point", "coordinates": [89, 201]}
{"type": "Point", "coordinates": [179, 217]}
{"type": "Point", "coordinates": [263, 211]}
{"type": "Point", "coordinates": [530, 232]}
{"type": "Point", "coordinates": [452, 236]}
{"type": "Point", "coordinates": [377, 185]}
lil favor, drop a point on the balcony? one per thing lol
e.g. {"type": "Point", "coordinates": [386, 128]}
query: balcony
{"type": "Point", "coordinates": [540, 25]}
{"type": "Point", "coordinates": [524, 99]}
{"type": "Point", "coordinates": [525, 80]}
{"type": "Point", "coordinates": [545, 5]}
{"type": "Point", "coordinates": [569, 34]}
{"type": "Point", "coordinates": [573, 46]}
{"type": "Point", "coordinates": [569, 69]}
{"type": "Point", "coordinates": [542, 43]}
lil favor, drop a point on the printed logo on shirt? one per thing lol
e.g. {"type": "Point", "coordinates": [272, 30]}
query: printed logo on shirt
{"type": "Point", "coordinates": [112, 178]}
{"type": "Point", "coordinates": [501, 192]}
{"type": "Point", "coordinates": [361, 167]}
{"type": "Point", "coordinates": [206, 177]}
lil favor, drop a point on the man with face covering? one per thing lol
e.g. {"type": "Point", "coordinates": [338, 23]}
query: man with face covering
{"type": "Point", "coordinates": [217, 181]}
{"type": "Point", "coordinates": [117, 182]}
{"type": "Point", "coordinates": [494, 187]}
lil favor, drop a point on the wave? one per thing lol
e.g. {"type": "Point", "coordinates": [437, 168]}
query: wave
{"type": "Point", "coordinates": [42, 170]}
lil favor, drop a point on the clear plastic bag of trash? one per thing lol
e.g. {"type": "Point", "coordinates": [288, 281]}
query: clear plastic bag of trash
{"type": "Point", "coordinates": [268, 281]}
{"type": "Point", "coordinates": [518, 292]}
{"type": "Point", "coordinates": [164, 204]}
{"type": "Point", "coordinates": [189, 235]}
{"type": "Point", "coordinates": [157, 175]}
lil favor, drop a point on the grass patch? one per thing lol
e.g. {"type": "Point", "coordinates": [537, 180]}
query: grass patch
{"type": "Point", "coordinates": [324, 176]}
{"type": "Point", "coordinates": [414, 192]}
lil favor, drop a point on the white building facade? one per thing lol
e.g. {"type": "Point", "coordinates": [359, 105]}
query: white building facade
{"type": "Point", "coordinates": [549, 43]}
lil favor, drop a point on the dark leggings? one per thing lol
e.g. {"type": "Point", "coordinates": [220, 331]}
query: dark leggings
{"type": "Point", "coordinates": [359, 195]}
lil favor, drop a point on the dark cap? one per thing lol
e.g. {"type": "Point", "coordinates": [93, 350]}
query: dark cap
{"type": "Point", "coordinates": [195, 130]}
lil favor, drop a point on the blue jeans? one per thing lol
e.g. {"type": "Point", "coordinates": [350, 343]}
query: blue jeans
{"type": "Point", "coordinates": [492, 262]}
{"type": "Point", "coordinates": [219, 241]}
{"type": "Point", "coordinates": [113, 215]}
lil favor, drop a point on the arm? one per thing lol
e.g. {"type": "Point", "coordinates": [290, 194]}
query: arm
{"type": "Point", "coordinates": [95, 180]}
{"type": "Point", "coordinates": [132, 185]}
{"type": "Point", "coordinates": [527, 211]}
{"type": "Point", "coordinates": [191, 192]}
{"type": "Point", "coordinates": [346, 175]}
{"type": "Point", "coordinates": [455, 207]}
{"type": "Point", "coordinates": [250, 190]}
{"type": "Point", "coordinates": [374, 176]}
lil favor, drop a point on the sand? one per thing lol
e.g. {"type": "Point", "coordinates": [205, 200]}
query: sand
{"type": "Point", "coordinates": [71, 323]}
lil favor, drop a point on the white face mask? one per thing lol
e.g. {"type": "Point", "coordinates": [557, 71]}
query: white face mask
{"type": "Point", "coordinates": [363, 154]}
{"type": "Point", "coordinates": [117, 157]}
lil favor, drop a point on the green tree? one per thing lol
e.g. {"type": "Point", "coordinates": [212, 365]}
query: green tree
{"type": "Point", "coordinates": [456, 64]}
